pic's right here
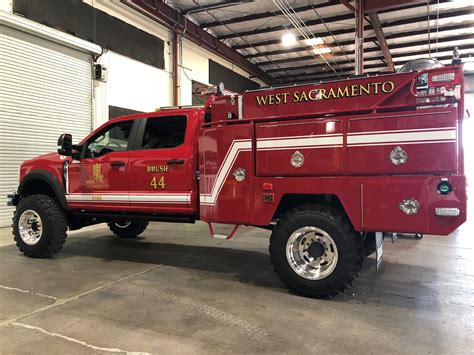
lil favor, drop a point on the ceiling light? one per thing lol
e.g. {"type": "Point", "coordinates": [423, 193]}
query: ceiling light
{"type": "Point", "coordinates": [288, 39]}
{"type": "Point", "coordinates": [315, 41]}
{"type": "Point", "coordinates": [322, 50]}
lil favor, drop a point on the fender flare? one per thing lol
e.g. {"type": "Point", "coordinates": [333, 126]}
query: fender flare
{"type": "Point", "coordinates": [48, 178]}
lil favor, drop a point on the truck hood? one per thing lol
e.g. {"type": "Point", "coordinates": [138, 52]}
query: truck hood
{"type": "Point", "coordinates": [51, 162]}
{"type": "Point", "coordinates": [50, 157]}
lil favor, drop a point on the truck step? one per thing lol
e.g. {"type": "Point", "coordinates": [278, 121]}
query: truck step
{"type": "Point", "coordinates": [222, 236]}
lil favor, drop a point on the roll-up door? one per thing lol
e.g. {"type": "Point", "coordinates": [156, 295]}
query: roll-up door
{"type": "Point", "coordinates": [45, 90]}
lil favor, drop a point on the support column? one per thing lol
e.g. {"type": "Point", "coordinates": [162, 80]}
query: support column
{"type": "Point", "coordinates": [359, 38]}
{"type": "Point", "coordinates": [175, 53]}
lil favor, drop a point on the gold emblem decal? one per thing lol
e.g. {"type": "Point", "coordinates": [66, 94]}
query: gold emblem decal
{"type": "Point", "coordinates": [97, 174]}
{"type": "Point", "coordinates": [97, 180]}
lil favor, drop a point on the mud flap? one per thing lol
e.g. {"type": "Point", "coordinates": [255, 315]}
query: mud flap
{"type": "Point", "coordinates": [378, 250]}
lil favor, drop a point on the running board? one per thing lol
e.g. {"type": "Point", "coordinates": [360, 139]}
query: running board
{"type": "Point", "coordinates": [173, 218]}
{"type": "Point", "coordinates": [222, 236]}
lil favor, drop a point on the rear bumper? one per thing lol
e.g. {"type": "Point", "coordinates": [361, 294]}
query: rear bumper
{"type": "Point", "coordinates": [13, 199]}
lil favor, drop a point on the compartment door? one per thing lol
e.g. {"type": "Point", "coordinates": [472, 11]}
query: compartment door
{"type": "Point", "coordinates": [226, 174]}
{"type": "Point", "coordinates": [421, 142]}
{"type": "Point", "coordinates": [300, 148]}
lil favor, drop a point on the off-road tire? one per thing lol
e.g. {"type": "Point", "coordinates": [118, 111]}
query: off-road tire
{"type": "Point", "coordinates": [54, 225]}
{"type": "Point", "coordinates": [133, 230]}
{"type": "Point", "coordinates": [347, 241]}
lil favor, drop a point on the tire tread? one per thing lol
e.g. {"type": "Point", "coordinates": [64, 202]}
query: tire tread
{"type": "Point", "coordinates": [55, 215]}
{"type": "Point", "coordinates": [343, 222]}
{"type": "Point", "coordinates": [134, 230]}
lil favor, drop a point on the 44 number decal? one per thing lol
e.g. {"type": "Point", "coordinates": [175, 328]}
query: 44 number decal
{"type": "Point", "coordinates": [158, 182]}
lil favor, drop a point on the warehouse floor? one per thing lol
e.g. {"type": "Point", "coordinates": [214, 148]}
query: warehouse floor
{"type": "Point", "coordinates": [175, 290]}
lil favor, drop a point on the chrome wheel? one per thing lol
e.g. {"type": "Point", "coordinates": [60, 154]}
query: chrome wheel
{"type": "Point", "coordinates": [311, 253]}
{"type": "Point", "coordinates": [123, 224]}
{"type": "Point", "coordinates": [30, 227]}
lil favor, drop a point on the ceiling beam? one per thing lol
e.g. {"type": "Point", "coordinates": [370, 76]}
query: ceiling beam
{"type": "Point", "coordinates": [313, 22]}
{"type": "Point", "coordinates": [374, 19]}
{"type": "Point", "coordinates": [329, 76]}
{"type": "Point", "coordinates": [344, 31]}
{"type": "Point", "coordinates": [175, 21]}
{"type": "Point", "coordinates": [264, 15]}
{"type": "Point", "coordinates": [396, 58]}
{"type": "Point", "coordinates": [443, 14]}
{"type": "Point", "coordinates": [368, 50]}
{"type": "Point", "coordinates": [314, 66]}
{"type": "Point", "coordinates": [368, 39]}
{"type": "Point", "coordinates": [347, 4]}
{"type": "Point", "coordinates": [213, 6]}
{"type": "Point", "coordinates": [321, 74]}
{"type": "Point", "coordinates": [377, 5]}
{"type": "Point", "coordinates": [347, 70]}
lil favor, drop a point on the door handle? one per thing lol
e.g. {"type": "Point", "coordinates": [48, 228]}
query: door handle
{"type": "Point", "coordinates": [175, 161]}
{"type": "Point", "coordinates": [117, 163]}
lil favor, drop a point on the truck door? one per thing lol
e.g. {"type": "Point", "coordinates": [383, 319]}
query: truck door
{"type": "Point", "coordinates": [100, 179]}
{"type": "Point", "coordinates": [163, 165]}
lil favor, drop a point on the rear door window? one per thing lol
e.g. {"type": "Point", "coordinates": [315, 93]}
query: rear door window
{"type": "Point", "coordinates": [164, 132]}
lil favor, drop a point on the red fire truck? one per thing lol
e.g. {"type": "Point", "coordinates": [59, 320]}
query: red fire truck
{"type": "Point", "coordinates": [323, 166]}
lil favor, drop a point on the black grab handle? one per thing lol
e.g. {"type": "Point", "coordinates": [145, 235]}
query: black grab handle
{"type": "Point", "coordinates": [117, 163]}
{"type": "Point", "coordinates": [176, 161]}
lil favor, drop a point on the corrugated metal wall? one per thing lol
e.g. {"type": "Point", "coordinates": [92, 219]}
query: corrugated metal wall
{"type": "Point", "coordinates": [45, 90]}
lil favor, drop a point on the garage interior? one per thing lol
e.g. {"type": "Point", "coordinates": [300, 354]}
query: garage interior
{"type": "Point", "coordinates": [174, 289]}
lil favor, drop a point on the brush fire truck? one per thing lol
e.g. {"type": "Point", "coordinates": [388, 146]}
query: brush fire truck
{"type": "Point", "coordinates": [324, 166]}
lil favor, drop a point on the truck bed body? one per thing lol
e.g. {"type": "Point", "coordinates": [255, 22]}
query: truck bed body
{"type": "Point", "coordinates": [345, 132]}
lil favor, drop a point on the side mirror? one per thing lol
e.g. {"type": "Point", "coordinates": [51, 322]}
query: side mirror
{"type": "Point", "coordinates": [65, 144]}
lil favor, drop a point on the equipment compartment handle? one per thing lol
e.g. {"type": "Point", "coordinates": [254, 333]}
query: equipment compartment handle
{"type": "Point", "coordinates": [176, 161]}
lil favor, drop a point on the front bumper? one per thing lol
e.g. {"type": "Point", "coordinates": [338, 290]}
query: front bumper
{"type": "Point", "coordinates": [13, 199]}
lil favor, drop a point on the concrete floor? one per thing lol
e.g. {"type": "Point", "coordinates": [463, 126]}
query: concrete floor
{"type": "Point", "coordinates": [175, 290]}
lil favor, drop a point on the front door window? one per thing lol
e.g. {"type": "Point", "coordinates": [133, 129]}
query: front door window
{"type": "Point", "coordinates": [114, 138]}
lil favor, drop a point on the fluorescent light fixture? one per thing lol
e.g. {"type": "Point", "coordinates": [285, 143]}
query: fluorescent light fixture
{"type": "Point", "coordinates": [315, 41]}
{"type": "Point", "coordinates": [288, 39]}
{"type": "Point", "coordinates": [322, 50]}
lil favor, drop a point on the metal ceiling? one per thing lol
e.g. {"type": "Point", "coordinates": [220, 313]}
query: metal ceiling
{"type": "Point", "coordinates": [254, 29]}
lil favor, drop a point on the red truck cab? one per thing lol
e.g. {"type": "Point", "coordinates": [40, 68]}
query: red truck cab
{"type": "Point", "coordinates": [324, 166]}
{"type": "Point", "coordinates": [148, 164]}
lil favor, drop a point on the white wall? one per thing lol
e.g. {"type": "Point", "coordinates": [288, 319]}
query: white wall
{"type": "Point", "coordinates": [131, 84]}
{"type": "Point", "coordinates": [137, 86]}
{"type": "Point", "coordinates": [6, 5]}
{"type": "Point", "coordinates": [195, 66]}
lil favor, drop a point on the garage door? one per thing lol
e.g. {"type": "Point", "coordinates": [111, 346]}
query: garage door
{"type": "Point", "coordinates": [45, 90]}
